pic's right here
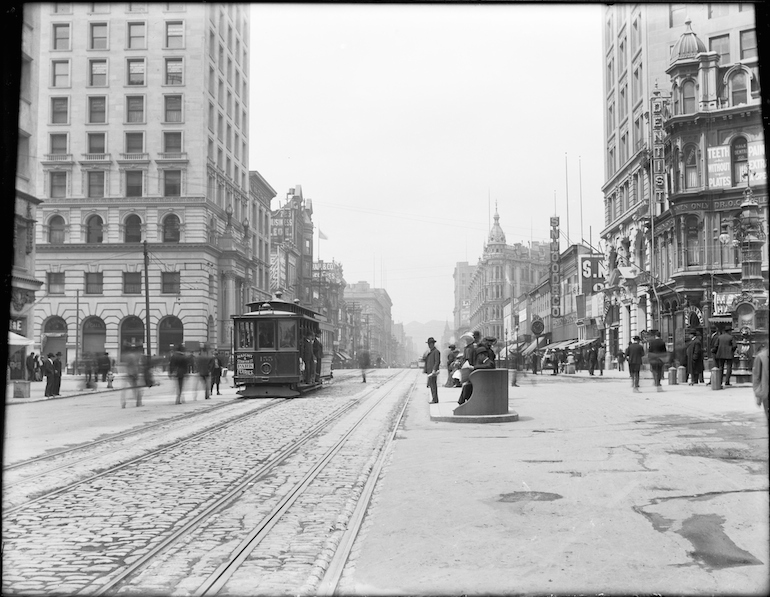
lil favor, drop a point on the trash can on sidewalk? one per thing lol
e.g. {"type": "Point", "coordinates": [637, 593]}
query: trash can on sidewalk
{"type": "Point", "coordinates": [716, 379]}
{"type": "Point", "coordinates": [672, 376]}
{"type": "Point", "coordinates": [20, 389]}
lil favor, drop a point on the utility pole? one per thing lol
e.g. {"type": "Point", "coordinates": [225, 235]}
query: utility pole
{"type": "Point", "coordinates": [77, 330]}
{"type": "Point", "coordinates": [147, 300]}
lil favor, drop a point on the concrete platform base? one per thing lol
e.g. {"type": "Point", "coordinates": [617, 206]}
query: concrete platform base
{"type": "Point", "coordinates": [507, 418]}
{"type": "Point", "coordinates": [443, 412]}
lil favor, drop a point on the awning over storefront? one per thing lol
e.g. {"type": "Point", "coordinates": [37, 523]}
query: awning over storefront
{"type": "Point", "coordinates": [17, 340]}
{"type": "Point", "coordinates": [512, 349]}
{"type": "Point", "coordinates": [582, 343]}
{"type": "Point", "coordinates": [536, 343]}
{"type": "Point", "coordinates": [561, 344]}
{"type": "Point", "coordinates": [342, 355]}
{"type": "Point", "coordinates": [721, 319]}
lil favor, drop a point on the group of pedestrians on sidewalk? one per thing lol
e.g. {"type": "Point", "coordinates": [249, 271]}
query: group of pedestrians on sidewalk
{"type": "Point", "coordinates": [208, 369]}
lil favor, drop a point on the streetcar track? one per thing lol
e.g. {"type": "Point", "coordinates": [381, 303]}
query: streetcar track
{"type": "Point", "coordinates": [154, 452]}
{"type": "Point", "coordinates": [231, 494]}
{"type": "Point", "coordinates": [136, 432]}
{"type": "Point", "coordinates": [216, 581]}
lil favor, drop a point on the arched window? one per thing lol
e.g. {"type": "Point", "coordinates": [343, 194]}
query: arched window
{"type": "Point", "coordinates": [692, 240]}
{"type": "Point", "coordinates": [738, 89]}
{"type": "Point", "coordinates": [688, 98]}
{"type": "Point", "coordinates": [94, 230]}
{"type": "Point", "coordinates": [691, 167]}
{"type": "Point", "coordinates": [56, 230]}
{"type": "Point", "coordinates": [171, 229]}
{"type": "Point", "coordinates": [133, 229]}
{"type": "Point", "coordinates": [739, 156]}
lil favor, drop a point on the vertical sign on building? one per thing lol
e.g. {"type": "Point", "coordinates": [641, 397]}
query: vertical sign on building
{"type": "Point", "coordinates": [658, 161]}
{"type": "Point", "coordinates": [555, 269]}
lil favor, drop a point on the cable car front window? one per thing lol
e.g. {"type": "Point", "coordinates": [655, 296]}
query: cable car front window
{"type": "Point", "coordinates": [245, 333]}
{"type": "Point", "coordinates": [287, 334]}
{"type": "Point", "coordinates": [266, 334]}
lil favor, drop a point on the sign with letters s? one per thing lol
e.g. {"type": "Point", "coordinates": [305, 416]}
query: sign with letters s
{"type": "Point", "coordinates": [592, 273]}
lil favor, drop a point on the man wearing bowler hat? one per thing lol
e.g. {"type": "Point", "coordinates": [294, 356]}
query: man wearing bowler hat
{"type": "Point", "coordinates": [432, 364]}
{"type": "Point", "coordinates": [635, 352]}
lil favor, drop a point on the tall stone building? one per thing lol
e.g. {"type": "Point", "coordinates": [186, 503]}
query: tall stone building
{"type": "Point", "coordinates": [291, 248]}
{"type": "Point", "coordinates": [262, 194]}
{"type": "Point", "coordinates": [25, 285]}
{"type": "Point", "coordinates": [503, 272]}
{"type": "Point", "coordinates": [143, 144]}
{"type": "Point", "coordinates": [681, 115]}
{"type": "Point", "coordinates": [462, 294]}
{"type": "Point", "coordinates": [372, 307]}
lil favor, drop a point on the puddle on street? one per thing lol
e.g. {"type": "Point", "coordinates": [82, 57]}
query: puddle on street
{"type": "Point", "coordinates": [712, 545]}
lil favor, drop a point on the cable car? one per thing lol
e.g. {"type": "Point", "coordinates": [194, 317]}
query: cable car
{"type": "Point", "coordinates": [271, 345]}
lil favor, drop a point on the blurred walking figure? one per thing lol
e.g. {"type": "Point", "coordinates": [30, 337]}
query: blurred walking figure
{"type": "Point", "coordinates": [318, 353]}
{"type": "Point", "coordinates": [658, 356]}
{"type": "Point", "coordinates": [592, 359]}
{"type": "Point", "coordinates": [216, 371]}
{"type": "Point", "coordinates": [534, 361]}
{"type": "Point", "coordinates": [450, 361]}
{"type": "Point", "coordinates": [203, 365]}
{"type": "Point", "coordinates": [635, 354]}
{"type": "Point", "coordinates": [760, 378]}
{"type": "Point", "coordinates": [621, 360]}
{"type": "Point", "coordinates": [104, 365]}
{"type": "Point", "coordinates": [177, 368]}
{"type": "Point", "coordinates": [133, 367]}
{"type": "Point", "coordinates": [600, 356]}
{"type": "Point", "coordinates": [364, 363]}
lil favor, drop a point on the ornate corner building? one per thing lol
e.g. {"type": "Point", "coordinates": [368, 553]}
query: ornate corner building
{"type": "Point", "coordinates": [143, 145]}
{"type": "Point", "coordinates": [686, 176]}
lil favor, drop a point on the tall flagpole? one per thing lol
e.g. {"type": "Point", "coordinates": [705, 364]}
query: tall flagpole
{"type": "Point", "coordinates": [566, 192]}
{"type": "Point", "coordinates": [580, 182]}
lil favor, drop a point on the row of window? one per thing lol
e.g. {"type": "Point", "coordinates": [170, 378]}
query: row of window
{"type": "Point", "coordinates": [685, 98]}
{"type": "Point", "coordinates": [136, 36]}
{"type": "Point", "coordinates": [133, 145]}
{"type": "Point", "coordinates": [171, 183]}
{"type": "Point", "coordinates": [65, 8]}
{"type": "Point", "coordinates": [132, 229]}
{"type": "Point", "coordinates": [135, 110]}
{"type": "Point", "coordinates": [97, 74]}
{"type": "Point", "coordinates": [93, 282]}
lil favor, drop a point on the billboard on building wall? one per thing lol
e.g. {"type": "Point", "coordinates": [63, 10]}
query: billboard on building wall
{"type": "Point", "coordinates": [555, 272]}
{"type": "Point", "coordinates": [593, 271]}
{"type": "Point", "coordinates": [720, 163]}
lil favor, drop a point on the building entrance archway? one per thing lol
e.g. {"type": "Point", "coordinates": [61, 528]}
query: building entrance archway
{"type": "Point", "coordinates": [54, 337]}
{"type": "Point", "coordinates": [131, 337]}
{"type": "Point", "coordinates": [94, 336]}
{"type": "Point", "coordinates": [170, 334]}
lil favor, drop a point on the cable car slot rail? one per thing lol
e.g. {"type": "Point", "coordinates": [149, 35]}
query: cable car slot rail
{"type": "Point", "coordinates": [164, 448]}
{"type": "Point", "coordinates": [226, 498]}
{"type": "Point", "coordinates": [219, 578]}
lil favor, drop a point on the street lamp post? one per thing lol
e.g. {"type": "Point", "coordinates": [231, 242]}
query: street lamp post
{"type": "Point", "coordinates": [749, 235]}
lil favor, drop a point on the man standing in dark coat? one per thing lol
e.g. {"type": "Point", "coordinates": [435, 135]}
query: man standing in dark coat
{"type": "Point", "coordinates": [50, 375]}
{"type": "Point", "coordinates": [104, 365]}
{"type": "Point", "coordinates": [592, 357]}
{"type": "Point", "coordinates": [318, 353]}
{"type": "Point", "coordinates": [432, 365]}
{"type": "Point", "coordinates": [635, 353]}
{"type": "Point", "coordinates": [57, 367]}
{"type": "Point", "coordinates": [657, 353]}
{"type": "Point", "coordinates": [694, 358]}
{"type": "Point", "coordinates": [30, 363]}
{"type": "Point", "coordinates": [724, 351]}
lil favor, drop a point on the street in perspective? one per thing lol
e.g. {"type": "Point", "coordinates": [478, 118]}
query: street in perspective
{"type": "Point", "coordinates": [387, 299]}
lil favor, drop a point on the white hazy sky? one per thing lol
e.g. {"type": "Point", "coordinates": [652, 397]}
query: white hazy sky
{"type": "Point", "coordinates": [404, 123]}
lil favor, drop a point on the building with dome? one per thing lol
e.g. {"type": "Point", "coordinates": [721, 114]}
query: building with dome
{"type": "Point", "coordinates": [502, 273]}
{"type": "Point", "coordinates": [684, 149]}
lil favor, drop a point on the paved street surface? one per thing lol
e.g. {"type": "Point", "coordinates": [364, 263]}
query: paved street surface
{"type": "Point", "coordinates": [595, 489]}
